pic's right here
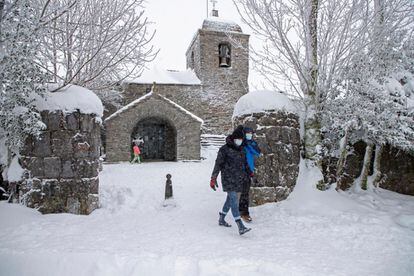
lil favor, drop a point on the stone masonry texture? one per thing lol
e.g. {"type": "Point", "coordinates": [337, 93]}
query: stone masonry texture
{"type": "Point", "coordinates": [277, 134]}
{"type": "Point", "coordinates": [120, 127]}
{"type": "Point", "coordinates": [62, 165]}
{"type": "Point", "coordinates": [396, 166]}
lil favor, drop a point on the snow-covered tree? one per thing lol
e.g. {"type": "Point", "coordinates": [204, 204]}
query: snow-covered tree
{"type": "Point", "coordinates": [22, 23]}
{"type": "Point", "coordinates": [309, 44]}
{"type": "Point", "coordinates": [374, 98]}
{"type": "Point", "coordinates": [20, 78]}
{"type": "Point", "coordinates": [306, 43]}
{"type": "Point", "coordinates": [97, 44]}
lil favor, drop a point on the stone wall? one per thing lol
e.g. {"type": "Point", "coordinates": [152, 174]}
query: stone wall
{"type": "Point", "coordinates": [62, 165]}
{"type": "Point", "coordinates": [278, 168]}
{"type": "Point", "coordinates": [120, 127]}
{"type": "Point", "coordinates": [396, 166]}
{"type": "Point", "coordinates": [352, 166]}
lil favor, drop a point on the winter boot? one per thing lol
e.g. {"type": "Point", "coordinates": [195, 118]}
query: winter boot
{"type": "Point", "coordinates": [222, 222]}
{"type": "Point", "coordinates": [246, 218]}
{"type": "Point", "coordinates": [242, 229]}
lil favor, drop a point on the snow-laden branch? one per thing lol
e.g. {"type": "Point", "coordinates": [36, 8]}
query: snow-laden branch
{"type": "Point", "coordinates": [98, 43]}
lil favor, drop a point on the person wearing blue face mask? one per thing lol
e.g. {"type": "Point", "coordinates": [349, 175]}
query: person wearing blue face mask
{"type": "Point", "coordinates": [252, 151]}
{"type": "Point", "coordinates": [231, 162]}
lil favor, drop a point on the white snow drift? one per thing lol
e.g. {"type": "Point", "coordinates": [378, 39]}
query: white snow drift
{"type": "Point", "coordinates": [311, 233]}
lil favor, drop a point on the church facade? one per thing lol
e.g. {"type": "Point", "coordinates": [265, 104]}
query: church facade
{"type": "Point", "coordinates": [169, 110]}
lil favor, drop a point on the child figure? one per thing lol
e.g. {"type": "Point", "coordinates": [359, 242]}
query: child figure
{"type": "Point", "coordinates": [137, 152]}
{"type": "Point", "coordinates": [252, 151]}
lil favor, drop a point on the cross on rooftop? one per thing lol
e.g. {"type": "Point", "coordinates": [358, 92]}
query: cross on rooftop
{"type": "Point", "coordinates": [214, 2]}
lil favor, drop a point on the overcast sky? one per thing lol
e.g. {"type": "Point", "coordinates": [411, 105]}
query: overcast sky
{"type": "Point", "coordinates": [176, 22]}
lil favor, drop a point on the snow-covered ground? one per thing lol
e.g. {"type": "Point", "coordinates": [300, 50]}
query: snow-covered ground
{"type": "Point", "coordinates": [311, 233]}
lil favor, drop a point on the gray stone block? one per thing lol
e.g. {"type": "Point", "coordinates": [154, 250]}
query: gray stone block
{"type": "Point", "coordinates": [27, 149]}
{"type": "Point", "coordinates": [45, 117]}
{"type": "Point", "coordinates": [87, 122]}
{"type": "Point", "coordinates": [53, 167]}
{"type": "Point", "coordinates": [92, 203]}
{"type": "Point", "coordinates": [34, 165]}
{"type": "Point", "coordinates": [72, 121]}
{"type": "Point", "coordinates": [56, 121]}
{"type": "Point", "coordinates": [294, 136]}
{"type": "Point", "coordinates": [92, 184]}
{"type": "Point", "coordinates": [73, 206]}
{"type": "Point", "coordinates": [50, 188]}
{"type": "Point", "coordinates": [67, 169]}
{"type": "Point", "coordinates": [284, 135]}
{"type": "Point", "coordinates": [62, 143]}
{"type": "Point", "coordinates": [86, 168]}
{"type": "Point", "coordinates": [42, 145]}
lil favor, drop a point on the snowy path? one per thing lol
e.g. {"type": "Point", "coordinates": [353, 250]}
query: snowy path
{"type": "Point", "coordinates": [312, 233]}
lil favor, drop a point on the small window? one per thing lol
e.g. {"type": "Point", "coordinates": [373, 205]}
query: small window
{"type": "Point", "coordinates": [224, 55]}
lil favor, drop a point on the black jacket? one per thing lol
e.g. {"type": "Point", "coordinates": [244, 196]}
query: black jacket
{"type": "Point", "coordinates": [231, 162]}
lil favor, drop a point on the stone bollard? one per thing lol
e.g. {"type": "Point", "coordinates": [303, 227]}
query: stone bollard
{"type": "Point", "coordinates": [168, 188]}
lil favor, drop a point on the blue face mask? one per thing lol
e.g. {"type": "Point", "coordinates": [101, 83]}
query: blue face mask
{"type": "Point", "coordinates": [238, 142]}
{"type": "Point", "coordinates": [249, 136]}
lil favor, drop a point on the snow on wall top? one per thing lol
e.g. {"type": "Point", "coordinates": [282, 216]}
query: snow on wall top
{"type": "Point", "coordinates": [263, 100]}
{"type": "Point", "coordinates": [167, 77]}
{"type": "Point", "coordinates": [69, 99]}
{"type": "Point", "coordinates": [218, 24]}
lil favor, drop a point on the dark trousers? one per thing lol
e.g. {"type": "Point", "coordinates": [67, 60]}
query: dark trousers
{"type": "Point", "coordinates": [244, 198]}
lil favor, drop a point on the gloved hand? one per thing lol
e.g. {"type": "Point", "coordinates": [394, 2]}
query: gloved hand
{"type": "Point", "coordinates": [251, 174]}
{"type": "Point", "coordinates": [213, 183]}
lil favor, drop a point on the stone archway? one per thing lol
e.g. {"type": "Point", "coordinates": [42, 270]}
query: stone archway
{"type": "Point", "coordinates": [160, 139]}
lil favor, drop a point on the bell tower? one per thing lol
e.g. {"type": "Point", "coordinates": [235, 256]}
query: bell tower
{"type": "Point", "coordinates": [219, 55]}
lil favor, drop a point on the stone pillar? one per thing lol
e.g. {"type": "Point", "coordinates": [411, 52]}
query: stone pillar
{"type": "Point", "coordinates": [62, 165]}
{"type": "Point", "coordinates": [277, 134]}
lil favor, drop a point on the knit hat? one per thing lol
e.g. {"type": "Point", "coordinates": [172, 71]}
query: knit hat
{"type": "Point", "coordinates": [248, 130]}
{"type": "Point", "coordinates": [238, 133]}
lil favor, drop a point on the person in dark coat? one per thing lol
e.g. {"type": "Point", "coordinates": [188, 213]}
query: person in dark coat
{"type": "Point", "coordinates": [231, 162]}
{"type": "Point", "coordinates": [252, 151]}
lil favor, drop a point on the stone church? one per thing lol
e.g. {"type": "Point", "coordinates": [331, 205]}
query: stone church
{"type": "Point", "coordinates": [169, 110]}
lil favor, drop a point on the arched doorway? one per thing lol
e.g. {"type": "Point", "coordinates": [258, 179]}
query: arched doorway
{"type": "Point", "coordinates": [159, 139]}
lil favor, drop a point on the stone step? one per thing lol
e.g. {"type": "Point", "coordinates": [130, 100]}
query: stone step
{"type": "Point", "coordinates": [212, 140]}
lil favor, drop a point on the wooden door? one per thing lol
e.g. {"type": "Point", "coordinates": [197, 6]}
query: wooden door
{"type": "Point", "coordinates": [153, 135]}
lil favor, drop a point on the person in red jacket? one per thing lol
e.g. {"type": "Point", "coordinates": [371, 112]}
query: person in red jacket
{"type": "Point", "coordinates": [137, 153]}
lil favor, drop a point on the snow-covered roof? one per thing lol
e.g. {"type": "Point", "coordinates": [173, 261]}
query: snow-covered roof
{"type": "Point", "coordinates": [263, 100]}
{"type": "Point", "coordinates": [218, 24]}
{"type": "Point", "coordinates": [160, 76]}
{"type": "Point", "coordinates": [69, 99]}
{"type": "Point", "coordinates": [146, 96]}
